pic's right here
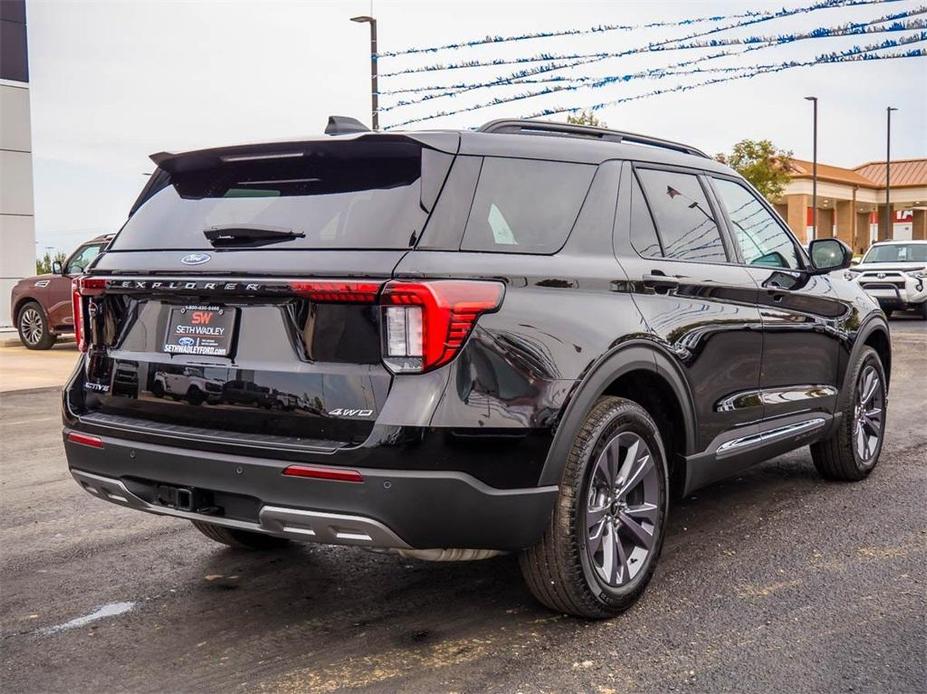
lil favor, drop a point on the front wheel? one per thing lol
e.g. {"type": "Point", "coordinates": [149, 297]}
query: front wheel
{"type": "Point", "coordinates": [605, 535]}
{"type": "Point", "coordinates": [853, 450]}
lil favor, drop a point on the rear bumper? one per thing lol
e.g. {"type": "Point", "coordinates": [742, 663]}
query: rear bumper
{"type": "Point", "coordinates": [418, 509]}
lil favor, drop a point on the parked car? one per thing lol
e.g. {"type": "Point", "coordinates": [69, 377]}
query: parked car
{"type": "Point", "coordinates": [894, 273]}
{"type": "Point", "coordinates": [525, 338]}
{"type": "Point", "coordinates": [41, 305]}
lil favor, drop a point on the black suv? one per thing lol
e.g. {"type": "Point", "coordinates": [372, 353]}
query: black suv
{"type": "Point", "coordinates": [525, 338]}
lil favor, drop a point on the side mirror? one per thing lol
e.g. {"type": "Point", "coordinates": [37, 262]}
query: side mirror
{"type": "Point", "coordinates": [57, 267]}
{"type": "Point", "coordinates": [828, 255]}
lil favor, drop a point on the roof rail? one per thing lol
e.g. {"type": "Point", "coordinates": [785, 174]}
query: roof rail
{"type": "Point", "coordinates": [550, 128]}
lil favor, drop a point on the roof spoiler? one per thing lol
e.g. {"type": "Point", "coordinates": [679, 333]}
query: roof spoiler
{"type": "Point", "coordinates": [344, 125]}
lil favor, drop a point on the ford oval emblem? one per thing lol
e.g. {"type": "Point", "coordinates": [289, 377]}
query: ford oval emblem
{"type": "Point", "coordinates": [196, 259]}
{"type": "Point", "coordinates": [186, 341]}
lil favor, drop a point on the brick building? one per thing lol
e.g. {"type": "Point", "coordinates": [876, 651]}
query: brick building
{"type": "Point", "coordinates": [851, 202]}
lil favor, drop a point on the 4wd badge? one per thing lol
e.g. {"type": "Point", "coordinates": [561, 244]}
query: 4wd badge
{"type": "Point", "coordinates": [344, 412]}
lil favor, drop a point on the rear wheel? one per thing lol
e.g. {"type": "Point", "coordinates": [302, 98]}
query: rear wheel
{"type": "Point", "coordinates": [853, 450]}
{"type": "Point", "coordinates": [33, 327]}
{"type": "Point", "coordinates": [242, 539]}
{"type": "Point", "coordinates": [605, 535]}
{"type": "Point", "coordinates": [923, 310]}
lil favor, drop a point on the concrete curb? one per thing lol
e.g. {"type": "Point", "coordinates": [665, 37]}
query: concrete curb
{"type": "Point", "coordinates": [12, 339]}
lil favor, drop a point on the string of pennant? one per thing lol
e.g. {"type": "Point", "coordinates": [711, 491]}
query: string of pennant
{"type": "Point", "coordinates": [754, 19]}
{"type": "Point", "coordinates": [872, 27]}
{"type": "Point", "coordinates": [598, 29]}
{"type": "Point", "coordinates": [540, 68]}
{"type": "Point", "coordinates": [855, 53]}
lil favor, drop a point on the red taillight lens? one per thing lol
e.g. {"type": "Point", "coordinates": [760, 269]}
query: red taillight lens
{"type": "Point", "coordinates": [81, 287]}
{"type": "Point", "coordinates": [337, 291]}
{"type": "Point", "coordinates": [323, 473]}
{"type": "Point", "coordinates": [426, 323]}
{"type": "Point", "coordinates": [85, 439]}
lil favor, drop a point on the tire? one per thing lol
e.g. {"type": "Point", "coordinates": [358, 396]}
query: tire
{"type": "Point", "coordinates": [563, 570]}
{"type": "Point", "coordinates": [923, 310]}
{"type": "Point", "coordinates": [33, 327]}
{"type": "Point", "coordinates": [240, 539]}
{"type": "Point", "coordinates": [853, 450]}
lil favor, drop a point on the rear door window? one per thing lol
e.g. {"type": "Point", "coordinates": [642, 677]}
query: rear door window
{"type": "Point", "coordinates": [525, 206]}
{"type": "Point", "coordinates": [685, 223]}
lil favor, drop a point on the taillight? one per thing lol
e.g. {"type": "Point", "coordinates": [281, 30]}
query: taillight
{"type": "Point", "coordinates": [337, 291]}
{"type": "Point", "coordinates": [425, 324]}
{"type": "Point", "coordinates": [81, 287]}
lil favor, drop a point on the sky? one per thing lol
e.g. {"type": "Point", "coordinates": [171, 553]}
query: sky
{"type": "Point", "coordinates": [113, 82]}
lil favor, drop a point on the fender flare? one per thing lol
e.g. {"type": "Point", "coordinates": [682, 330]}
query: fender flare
{"type": "Point", "coordinates": [876, 321]}
{"type": "Point", "coordinates": [637, 355]}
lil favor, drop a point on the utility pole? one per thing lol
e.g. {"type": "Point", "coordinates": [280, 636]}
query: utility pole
{"type": "Point", "coordinates": [374, 91]}
{"type": "Point", "coordinates": [814, 169]}
{"type": "Point", "coordinates": [889, 226]}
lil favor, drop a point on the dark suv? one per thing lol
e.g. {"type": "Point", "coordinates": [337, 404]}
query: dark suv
{"type": "Point", "coordinates": [524, 338]}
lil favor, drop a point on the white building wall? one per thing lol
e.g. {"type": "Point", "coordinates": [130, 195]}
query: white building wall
{"type": "Point", "coordinates": [17, 226]}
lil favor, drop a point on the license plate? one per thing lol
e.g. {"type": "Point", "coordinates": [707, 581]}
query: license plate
{"type": "Point", "coordinates": [200, 330]}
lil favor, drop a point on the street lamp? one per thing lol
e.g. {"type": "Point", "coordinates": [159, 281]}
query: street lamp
{"type": "Point", "coordinates": [889, 230]}
{"type": "Point", "coordinates": [374, 105]}
{"type": "Point", "coordinates": [814, 170]}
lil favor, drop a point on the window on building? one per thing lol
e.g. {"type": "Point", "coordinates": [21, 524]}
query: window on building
{"type": "Point", "coordinates": [525, 206]}
{"type": "Point", "coordinates": [761, 238]}
{"type": "Point", "coordinates": [687, 229]}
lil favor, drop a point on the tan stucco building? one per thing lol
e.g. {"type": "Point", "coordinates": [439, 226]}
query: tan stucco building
{"type": "Point", "coordinates": [851, 202]}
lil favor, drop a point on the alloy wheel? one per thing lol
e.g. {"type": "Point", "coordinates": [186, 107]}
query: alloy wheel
{"type": "Point", "coordinates": [868, 414]}
{"type": "Point", "coordinates": [622, 509]}
{"type": "Point", "coordinates": [30, 326]}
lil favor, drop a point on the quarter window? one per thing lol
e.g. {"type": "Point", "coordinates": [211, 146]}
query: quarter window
{"type": "Point", "coordinates": [643, 232]}
{"type": "Point", "coordinates": [525, 206]}
{"type": "Point", "coordinates": [761, 238]}
{"type": "Point", "coordinates": [687, 229]}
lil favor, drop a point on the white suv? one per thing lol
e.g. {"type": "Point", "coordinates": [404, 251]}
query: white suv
{"type": "Point", "coordinates": [894, 273]}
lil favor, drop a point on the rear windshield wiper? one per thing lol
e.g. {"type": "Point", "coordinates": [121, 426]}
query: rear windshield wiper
{"type": "Point", "coordinates": [243, 235]}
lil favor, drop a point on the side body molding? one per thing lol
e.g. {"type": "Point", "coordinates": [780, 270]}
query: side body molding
{"type": "Point", "coordinates": [635, 355]}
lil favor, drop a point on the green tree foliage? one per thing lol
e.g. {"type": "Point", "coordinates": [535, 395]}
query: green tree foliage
{"type": "Point", "coordinates": [763, 164]}
{"type": "Point", "coordinates": [586, 118]}
{"type": "Point", "coordinates": [43, 265]}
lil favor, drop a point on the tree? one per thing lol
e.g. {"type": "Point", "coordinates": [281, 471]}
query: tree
{"type": "Point", "coordinates": [763, 164]}
{"type": "Point", "coordinates": [43, 265]}
{"type": "Point", "coordinates": [586, 118]}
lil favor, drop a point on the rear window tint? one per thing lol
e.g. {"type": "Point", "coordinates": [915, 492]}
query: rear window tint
{"type": "Point", "coordinates": [686, 226]}
{"type": "Point", "coordinates": [525, 206]}
{"type": "Point", "coordinates": [349, 195]}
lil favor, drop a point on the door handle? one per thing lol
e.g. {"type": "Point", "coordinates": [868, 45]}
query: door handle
{"type": "Point", "coordinates": [659, 282]}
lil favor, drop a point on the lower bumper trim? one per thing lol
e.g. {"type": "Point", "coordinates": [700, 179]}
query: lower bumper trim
{"type": "Point", "coordinates": [297, 524]}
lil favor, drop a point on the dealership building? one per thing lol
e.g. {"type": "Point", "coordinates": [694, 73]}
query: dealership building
{"type": "Point", "coordinates": [17, 229]}
{"type": "Point", "coordinates": [851, 202]}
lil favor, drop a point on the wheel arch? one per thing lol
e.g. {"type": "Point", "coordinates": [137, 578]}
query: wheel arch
{"type": "Point", "coordinates": [873, 333]}
{"type": "Point", "coordinates": [642, 372]}
{"type": "Point", "coordinates": [20, 304]}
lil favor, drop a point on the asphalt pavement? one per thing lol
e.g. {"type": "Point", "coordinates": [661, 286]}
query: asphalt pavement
{"type": "Point", "coordinates": [773, 581]}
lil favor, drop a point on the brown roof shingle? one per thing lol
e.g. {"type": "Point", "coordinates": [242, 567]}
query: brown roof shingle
{"type": "Point", "coordinates": [905, 172]}
{"type": "Point", "coordinates": [803, 169]}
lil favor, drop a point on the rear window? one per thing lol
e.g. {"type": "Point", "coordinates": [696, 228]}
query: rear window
{"type": "Point", "coordinates": [346, 195]}
{"type": "Point", "coordinates": [525, 206]}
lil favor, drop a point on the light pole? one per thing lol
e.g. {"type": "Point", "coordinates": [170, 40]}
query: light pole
{"type": "Point", "coordinates": [814, 169]}
{"type": "Point", "coordinates": [374, 104]}
{"type": "Point", "coordinates": [889, 231]}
